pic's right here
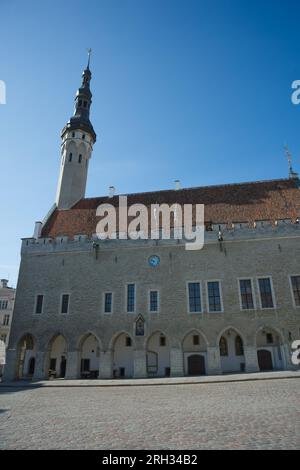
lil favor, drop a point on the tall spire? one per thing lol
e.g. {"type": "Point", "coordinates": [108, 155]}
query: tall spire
{"type": "Point", "coordinates": [89, 59]}
{"type": "Point", "coordinates": [78, 138]}
{"type": "Point", "coordinates": [83, 100]}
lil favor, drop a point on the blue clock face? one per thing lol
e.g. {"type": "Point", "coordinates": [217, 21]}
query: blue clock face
{"type": "Point", "coordinates": [154, 260]}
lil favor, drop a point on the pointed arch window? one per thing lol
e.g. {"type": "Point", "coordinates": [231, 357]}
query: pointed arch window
{"type": "Point", "coordinates": [239, 347]}
{"type": "Point", "coordinates": [140, 326]}
{"type": "Point", "coordinates": [223, 347]}
{"type": "Point", "coordinates": [70, 157]}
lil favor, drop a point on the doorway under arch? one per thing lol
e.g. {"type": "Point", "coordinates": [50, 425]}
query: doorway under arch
{"type": "Point", "coordinates": [196, 364]}
{"type": "Point", "coordinates": [89, 356]}
{"type": "Point", "coordinates": [31, 366]}
{"type": "Point", "coordinates": [158, 356]}
{"type": "Point", "coordinates": [26, 351]}
{"type": "Point", "coordinates": [265, 361]}
{"type": "Point", "coordinates": [194, 347]}
{"type": "Point", "coordinates": [123, 356]}
{"type": "Point", "coordinates": [57, 362]}
{"type": "Point", "coordinates": [269, 349]}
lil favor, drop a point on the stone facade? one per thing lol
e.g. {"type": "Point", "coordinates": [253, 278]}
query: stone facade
{"type": "Point", "coordinates": [73, 267]}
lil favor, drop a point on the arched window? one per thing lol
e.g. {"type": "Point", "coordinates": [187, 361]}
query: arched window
{"type": "Point", "coordinates": [70, 157]}
{"type": "Point", "coordinates": [80, 158]}
{"type": "Point", "coordinates": [139, 326]}
{"type": "Point", "coordinates": [223, 347]}
{"type": "Point", "coordinates": [239, 348]}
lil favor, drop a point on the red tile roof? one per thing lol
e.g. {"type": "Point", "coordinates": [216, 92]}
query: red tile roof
{"type": "Point", "coordinates": [241, 202]}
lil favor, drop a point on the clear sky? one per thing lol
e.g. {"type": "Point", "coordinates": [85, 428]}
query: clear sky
{"type": "Point", "coordinates": [198, 90]}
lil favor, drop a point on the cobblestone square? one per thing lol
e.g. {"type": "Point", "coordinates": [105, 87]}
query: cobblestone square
{"type": "Point", "coordinates": [251, 415]}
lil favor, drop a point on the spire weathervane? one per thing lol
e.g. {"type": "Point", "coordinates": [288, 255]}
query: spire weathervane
{"type": "Point", "coordinates": [292, 174]}
{"type": "Point", "coordinates": [89, 57]}
{"type": "Point", "coordinates": [289, 158]}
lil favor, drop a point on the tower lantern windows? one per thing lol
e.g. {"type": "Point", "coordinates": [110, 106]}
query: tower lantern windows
{"type": "Point", "coordinates": [83, 136]}
{"type": "Point", "coordinates": [80, 103]}
{"type": "Point", "coordinates": [80, 158]}
{"type": "Point", "coordinates": [84, 104]}
{"type": "Point", "coordinates": [70, 157]}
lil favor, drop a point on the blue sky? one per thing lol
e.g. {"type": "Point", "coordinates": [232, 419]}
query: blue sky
{"type": "Point", "coordinates": [198, 90]}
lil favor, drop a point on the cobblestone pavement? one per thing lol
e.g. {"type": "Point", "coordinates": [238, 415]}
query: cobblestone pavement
{"type": "Point", "coordinates": [243, 415]}
{"type": "Point", "coordinates": [283, 374]}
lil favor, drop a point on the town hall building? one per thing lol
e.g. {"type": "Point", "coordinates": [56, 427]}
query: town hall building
{"type": "Point", "coordinates": [89, 308]}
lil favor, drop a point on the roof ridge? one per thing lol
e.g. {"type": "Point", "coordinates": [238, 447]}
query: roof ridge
{"type": "Point", "coordinates": [191, 188]}
{"type": "Point", "coordinates": [244, 202]}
